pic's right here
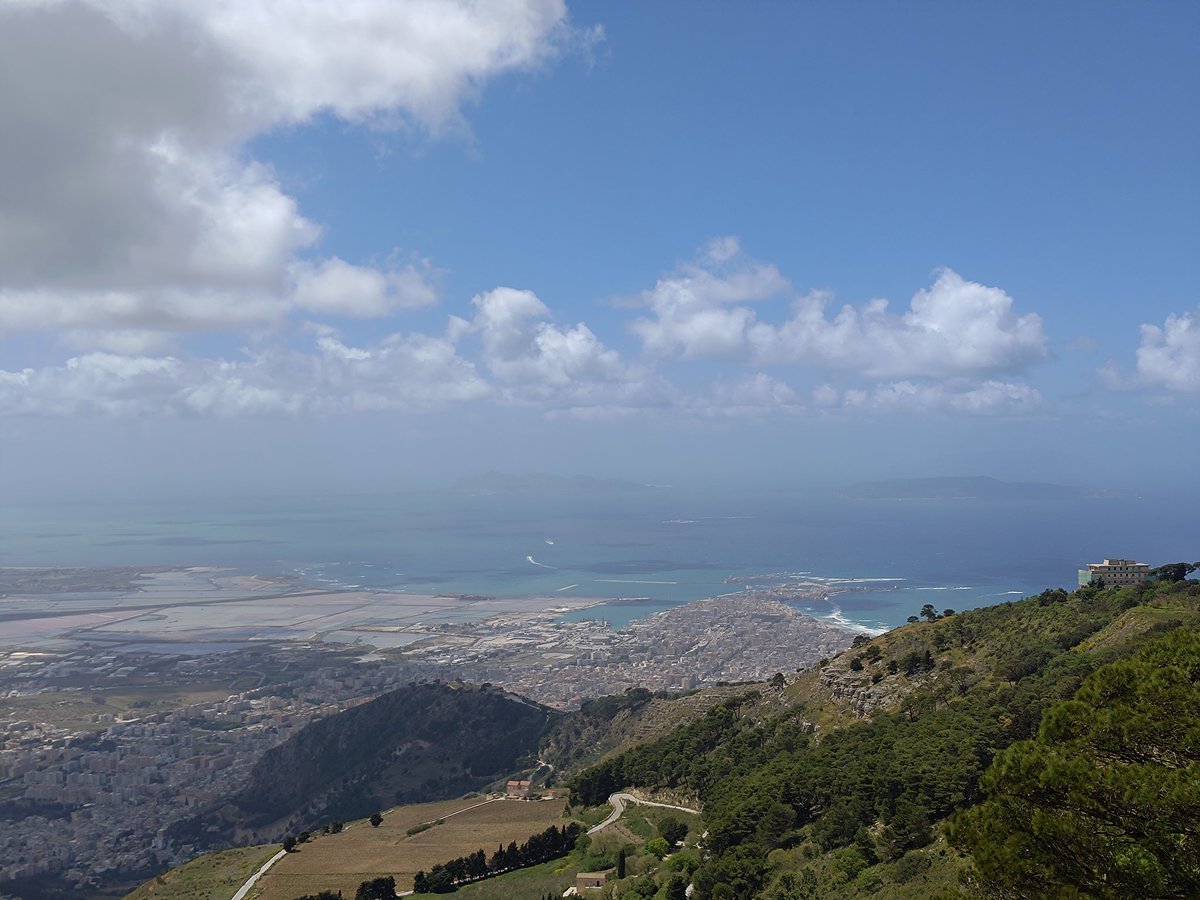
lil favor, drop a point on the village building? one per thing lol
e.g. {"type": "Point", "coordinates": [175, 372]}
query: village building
{"type": "Point", "coordinates": [586, 880]}
{"type": "Point", "coordinates": [517, 790]}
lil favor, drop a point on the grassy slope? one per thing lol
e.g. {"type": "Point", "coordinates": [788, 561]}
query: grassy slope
{"type": "Point", "coordinates": [528, 884]}
{"type": "Point", "coordinates": [214, 876]}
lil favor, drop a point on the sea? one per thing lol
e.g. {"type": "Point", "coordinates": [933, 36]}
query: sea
{"type": "Point", "coordinates": [642, 550]}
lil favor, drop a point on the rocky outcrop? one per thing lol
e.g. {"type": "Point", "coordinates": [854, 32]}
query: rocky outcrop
{"type": "Point", "coordinates": [856, 692]}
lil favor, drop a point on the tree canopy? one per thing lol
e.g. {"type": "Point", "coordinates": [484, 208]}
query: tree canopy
{"type": "Point", "coordinates": [973, 683]}
{"type": "Point", "coordinates": [1106, 799]}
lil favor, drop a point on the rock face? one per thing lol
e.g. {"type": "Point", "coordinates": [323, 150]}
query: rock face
{"type": "Point", "coordinates": [858, 694]}
{"type": "Point", "coordinates": [603, 724]}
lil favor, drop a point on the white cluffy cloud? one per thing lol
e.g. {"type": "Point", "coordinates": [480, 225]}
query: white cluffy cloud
{"type": "Point", "coordinates": [567, 369]}
{"type": "Point", "coordinates": [696, 311]}
{"type": "Point", "coordinates": [336, 286]}
{"type": "Point", "coordinates": [413, 372]}
{"type": "Point", "coordinates": [989, 398]}
{"type": "Point", "coordinates": [520, 347]}
{"type": "Point", "coordinates": [129, 209]}
{"type": "Point", "coordinates": [370, 58]}
{"type": "Point", "coordinates": [755, 395]}
{"type": "Point", "coordinates": [1169, 357]}
{"type": "Point", "coordinates": [953, 328]}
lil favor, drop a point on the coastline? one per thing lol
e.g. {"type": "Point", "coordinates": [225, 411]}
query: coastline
{"type": "Point", "coordinates": [194, 606]}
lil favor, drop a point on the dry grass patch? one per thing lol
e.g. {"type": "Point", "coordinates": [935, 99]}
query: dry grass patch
{"type": "Point", "coordinates": [213, 876]}
{"type": "Point", "coordinates": [341, 861]}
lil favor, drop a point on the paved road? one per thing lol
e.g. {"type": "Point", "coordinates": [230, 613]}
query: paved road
{"type": "Point", "coordinates": [245, 888]}
{"type": "Point", "coordinates": [618, 802]}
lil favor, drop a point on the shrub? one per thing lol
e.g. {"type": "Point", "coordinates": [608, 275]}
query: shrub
{"type": "Point", "coordinates": [658, 847]}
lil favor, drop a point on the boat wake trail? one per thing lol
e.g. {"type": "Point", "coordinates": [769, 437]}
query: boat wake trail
{"type": "Point", "coordinates": [536, 563]}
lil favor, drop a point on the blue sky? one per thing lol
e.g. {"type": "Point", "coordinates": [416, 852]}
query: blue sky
{"type": "Point", "coordinates": [271, 246]}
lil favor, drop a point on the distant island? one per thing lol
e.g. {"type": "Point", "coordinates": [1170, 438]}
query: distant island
{"type": "Point", "coordinates": [973, 487]}
{"type": "Point", "coordinates": [504, 482]}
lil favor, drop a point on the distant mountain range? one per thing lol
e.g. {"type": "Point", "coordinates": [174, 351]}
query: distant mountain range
{"type": "Point", "coordinates": [503, 482]}
{"type": "Point", "coordinates": [974, 487]}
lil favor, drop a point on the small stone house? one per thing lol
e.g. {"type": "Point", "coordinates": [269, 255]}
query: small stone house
{"type": "Point", "coordinates": [517, 790]}
{"type": "Point", "coordinates": [585, 880]}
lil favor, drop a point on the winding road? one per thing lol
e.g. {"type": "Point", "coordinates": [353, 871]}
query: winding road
{"type": "Point", "coordinates": [618, 802]}
{"type": "Point", "coordinates": [245, 888]}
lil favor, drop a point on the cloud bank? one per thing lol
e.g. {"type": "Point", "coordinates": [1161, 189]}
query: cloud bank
{"type": "Point", "coordinates": [954, 327]}
{"type": "Point", "coordinates": [129, 212]}
{"type": "Point", "coordinates": [512, 351]}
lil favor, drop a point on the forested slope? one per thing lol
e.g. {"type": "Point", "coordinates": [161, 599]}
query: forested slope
{"type": "Point", "coordinates": [855, 810]}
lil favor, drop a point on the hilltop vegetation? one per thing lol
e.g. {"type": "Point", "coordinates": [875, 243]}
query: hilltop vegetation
{"type": "Point", "coordinates": [1106, 799]}
{"type": "Point", "coordinates": [855, 810]}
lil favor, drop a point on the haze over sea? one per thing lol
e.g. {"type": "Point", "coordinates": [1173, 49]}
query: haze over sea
{"type": "Point", "coordinates": [664, 546]}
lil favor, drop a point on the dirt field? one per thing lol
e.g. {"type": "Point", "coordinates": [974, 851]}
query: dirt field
{"type": "Point", "coordinates": [341, 861]}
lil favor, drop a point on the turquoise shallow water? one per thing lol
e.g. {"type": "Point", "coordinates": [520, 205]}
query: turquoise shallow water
{"type": "Point", "coordinates": [666, 545]}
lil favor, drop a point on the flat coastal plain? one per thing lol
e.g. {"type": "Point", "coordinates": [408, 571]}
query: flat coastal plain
{"type": "Point", "coordinates": [199, 610]}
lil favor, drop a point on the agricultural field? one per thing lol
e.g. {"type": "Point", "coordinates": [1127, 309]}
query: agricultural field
{"type": "Point", "coordinates": [341, 861]}
{"type": "Point", "coordinates": [213, 876]}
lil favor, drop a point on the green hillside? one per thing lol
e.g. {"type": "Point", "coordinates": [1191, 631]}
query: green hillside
{"type": "Point", "coordinates": [845, 789]}
{"type": "Point", "coordinates": [213, 876]}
